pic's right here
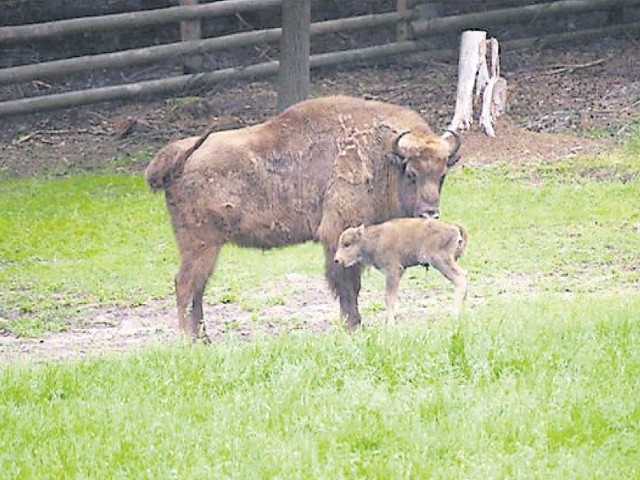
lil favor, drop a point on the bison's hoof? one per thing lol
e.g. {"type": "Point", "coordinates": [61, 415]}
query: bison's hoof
{"type": "Point", "coordinates": [353, 326]}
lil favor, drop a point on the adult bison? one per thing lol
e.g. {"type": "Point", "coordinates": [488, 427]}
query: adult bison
{"type": "Point", "coordinates": [307, 174]}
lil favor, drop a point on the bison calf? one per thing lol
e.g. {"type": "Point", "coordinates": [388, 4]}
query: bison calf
{"type": "Point", "coordinates": [404, 242]}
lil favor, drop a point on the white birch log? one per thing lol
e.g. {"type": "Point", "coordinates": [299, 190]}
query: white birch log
{"type": "Point", "coordinates": [490, 89]}
{"type": "Point", "coordinates": [495, 57]}
{"type": "Point", "coordinates": [494, 97]}
{"type": "Point", "coordinates": [483, 76]}
{"type": "Point", "coordinates": [486, 119]}
{"type": "Point", "coordinates": [499, 98]}
{"type": "Point", "coordinates": [472, 44]}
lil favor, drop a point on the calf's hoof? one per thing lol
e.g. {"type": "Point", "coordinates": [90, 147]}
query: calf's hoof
{"type": "Point", "coordinates": [196, 335]}
{"type": "Point", "coordinates": [202, 336]}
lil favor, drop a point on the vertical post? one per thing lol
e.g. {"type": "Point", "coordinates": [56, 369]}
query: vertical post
{"type": "Point", "coordinates": [295, 48]}
{"type": "Point", "coordinates": [615, 16]}
{"type": "Point", "coordinates": [402, 32]}
{"type": "Point", "coordinates": [191, 30]}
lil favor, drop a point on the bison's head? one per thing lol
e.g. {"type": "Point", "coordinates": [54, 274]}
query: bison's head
{"type": "Point", "coordinates": [425, 159]}
{"type": "Point", "coordinates": [350, 247]}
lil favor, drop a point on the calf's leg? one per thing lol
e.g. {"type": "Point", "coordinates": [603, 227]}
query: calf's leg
{"type": "Point", "coordinates": [447, 266]}
{"type": "Point", "coordinates": [392, 276]}
{"type": "Point", "coordinates": [195, 269]}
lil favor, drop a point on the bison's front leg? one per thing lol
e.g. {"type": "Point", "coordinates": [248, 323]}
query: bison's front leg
{"type": "Point", "coordinates": [191, 281]}
{"type": "Point", "coordinates": [345, 284]}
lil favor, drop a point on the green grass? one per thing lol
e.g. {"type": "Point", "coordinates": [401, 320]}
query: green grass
{"type": "Point", "coordinates": [88, 240]}
{"type": "Point", "coordinates": [563, 218]}
{"type": "Point", "coordinates": [541, 388]}
{"type": "Point", "coordinates": [538, 379]}
{"type": "Point", "coordinates": [95, 240]}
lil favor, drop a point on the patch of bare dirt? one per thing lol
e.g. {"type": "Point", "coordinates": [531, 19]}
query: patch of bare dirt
{"type": "Point", "coordinates": [308, 306]}
{"type": "Point", "coordinates": [575, 89]}
{"type": "Point", "coordinates": [513, 143]}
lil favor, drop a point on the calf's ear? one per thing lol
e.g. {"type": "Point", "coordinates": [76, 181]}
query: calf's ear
{"type": "Point", "coordinates": [360, 229]}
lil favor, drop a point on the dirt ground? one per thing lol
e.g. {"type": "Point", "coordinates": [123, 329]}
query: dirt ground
{"type": "Point", "coordinates": [563, 101]}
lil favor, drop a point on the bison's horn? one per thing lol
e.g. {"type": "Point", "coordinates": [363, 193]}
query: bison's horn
{"type": "Point", "coordinates": [395, 148]}
{"type": "Point", "coordinates": [456, 146]}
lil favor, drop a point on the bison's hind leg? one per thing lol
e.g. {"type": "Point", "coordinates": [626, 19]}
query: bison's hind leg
{"type": "Point", "coordinates": [195, 269]}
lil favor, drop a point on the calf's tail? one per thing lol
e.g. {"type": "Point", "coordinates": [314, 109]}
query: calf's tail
{"type": "Point", "coordinates": [462, 241]}
{"type": "Point", "coordinates": [169, 162]}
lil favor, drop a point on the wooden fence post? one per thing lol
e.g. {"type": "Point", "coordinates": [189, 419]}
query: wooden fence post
{"type": "Point", "coordinates": [616, 16]}
{"type": "Point", "coordinates": [402, 31]}
{"type": "Point", "coordinates": [191, 30]}
{"type": "Point", "coordinates": [295, 49]}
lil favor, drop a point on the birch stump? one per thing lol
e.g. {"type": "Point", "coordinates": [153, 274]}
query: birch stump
{"type": "Point", "coordinates": [473, 71]}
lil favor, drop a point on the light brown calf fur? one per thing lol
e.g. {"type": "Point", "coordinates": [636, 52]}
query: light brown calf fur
{"type": "Point", "coordinates": [404, 242]}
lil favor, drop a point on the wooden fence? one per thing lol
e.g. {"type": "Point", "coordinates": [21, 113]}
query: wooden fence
{"type": "Point", "coordinates": [415, 29]}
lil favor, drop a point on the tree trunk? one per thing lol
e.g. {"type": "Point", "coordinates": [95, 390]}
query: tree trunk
{"type": "Point", "coordinates": [294, 77]}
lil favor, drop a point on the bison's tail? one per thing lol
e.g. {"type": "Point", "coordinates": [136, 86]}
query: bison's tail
{"type": "Point", "coordinates": [462, 241]}
{"type": "Point", "coordinates": [169, 162]}
{"type": "Point", "coordinates": [160, 171]}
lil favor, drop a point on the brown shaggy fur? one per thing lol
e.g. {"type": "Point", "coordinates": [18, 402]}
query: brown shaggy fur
{"type": "Point", "coordinates": [307, 174]}
{"type": "Point", "coordinates": [393, 246]}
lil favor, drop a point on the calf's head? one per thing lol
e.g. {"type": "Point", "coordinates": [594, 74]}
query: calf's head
{"type": "Point", "coordinates": [425, 159]}
{"type": "Point", "coordinates": [349, 250]}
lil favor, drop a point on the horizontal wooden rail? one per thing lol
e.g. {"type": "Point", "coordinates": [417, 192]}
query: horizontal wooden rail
{"type": "Point", "coordinates": [149, 55]}
{"type": "Point", "coordinates": [21, 33]}
{"type": "Point", "coordinates": [163, 86]}
{"type": "Point", "coordinates": [454, 24]}
{"type": "Point", "coordinates": [166, 85]}
{"type": "Point", "coordinates": [555, 38]}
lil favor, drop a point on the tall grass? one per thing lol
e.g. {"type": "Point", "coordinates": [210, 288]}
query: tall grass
{"type": "Point", "coordinates": [541, 388]}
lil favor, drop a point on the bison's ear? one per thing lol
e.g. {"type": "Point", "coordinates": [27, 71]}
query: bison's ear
{"type": "Point", "coordinates": [360, 229]}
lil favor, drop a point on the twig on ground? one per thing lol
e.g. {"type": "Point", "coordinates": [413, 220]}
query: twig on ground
{"type": "Point", "coordinates": [24, 138]}
{"type": "Point", "coordinates": [42, 133]}
{"type": "Point", "coordinates": [563, 68]}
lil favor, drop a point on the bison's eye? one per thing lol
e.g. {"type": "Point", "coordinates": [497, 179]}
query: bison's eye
{"type": "Point", "coordinates": [346, 244]}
